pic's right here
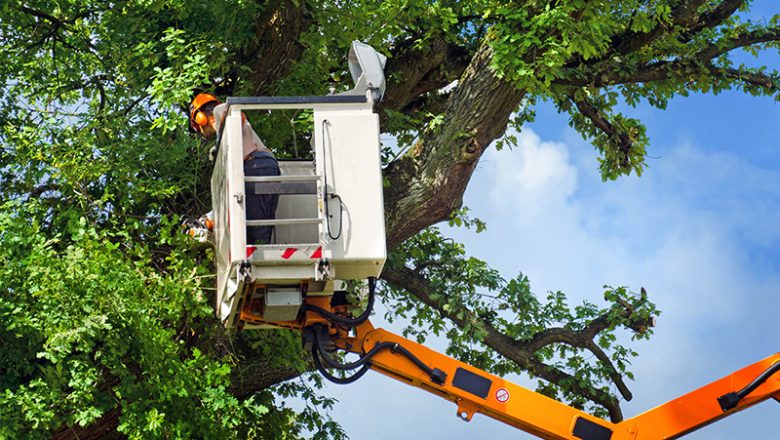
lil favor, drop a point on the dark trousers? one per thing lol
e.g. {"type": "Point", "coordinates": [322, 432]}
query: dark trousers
{"type": "Point", "coordinates": [260, 206]}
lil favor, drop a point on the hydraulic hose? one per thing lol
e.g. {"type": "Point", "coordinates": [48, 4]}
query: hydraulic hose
{"type": "Point", "coordinates": [436, 375]}
{"type": "Point", "coordinates": [730, 400]}
{"type": "Point", "coordinates": [350, 322]}
{"type": "Point", "coordinates": [332, 363]}
{"type": "Point", "coordinates": [338, 380]}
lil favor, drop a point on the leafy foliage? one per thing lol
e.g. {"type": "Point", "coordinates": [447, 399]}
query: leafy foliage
{"type": "Point", "coordinates": [581, 52]}
{"type": "Point", "coordinates": [86, 324]}
{"type": "Point", "coordinates": [470, 304]}
{"type": "Point", "coordinates": [104, 312]}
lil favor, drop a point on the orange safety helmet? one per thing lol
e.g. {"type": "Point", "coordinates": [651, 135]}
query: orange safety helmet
{"type": "Point", "coordinates": [198, 119]}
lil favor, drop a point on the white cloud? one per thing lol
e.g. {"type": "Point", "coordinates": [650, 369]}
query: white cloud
{"type": "Point", "coordinates": [531, 177]}
{"type": "Point", "coordinates": [689, 231]}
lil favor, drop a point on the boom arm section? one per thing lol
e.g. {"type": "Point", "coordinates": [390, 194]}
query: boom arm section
{"type": "Point", "coordinates": [476, 391]}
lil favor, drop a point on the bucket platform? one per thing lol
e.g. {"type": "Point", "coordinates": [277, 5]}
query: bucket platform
{"type": "Point", "coordinates": [329, 224]}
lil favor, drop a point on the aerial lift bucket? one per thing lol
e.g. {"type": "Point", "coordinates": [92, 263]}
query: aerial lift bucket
{"type": "Point", "coordinates": [329, 225]}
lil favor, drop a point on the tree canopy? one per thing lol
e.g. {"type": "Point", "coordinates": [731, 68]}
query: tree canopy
{"type": "Point", "coordinates": [105, 310]}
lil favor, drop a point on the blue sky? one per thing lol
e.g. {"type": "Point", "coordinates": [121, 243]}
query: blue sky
{"type": "Point", "coordinates": [700, 230]}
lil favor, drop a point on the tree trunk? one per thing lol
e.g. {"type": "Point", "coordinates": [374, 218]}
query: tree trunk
{"type": "Point", "coordinates": [427, 184]}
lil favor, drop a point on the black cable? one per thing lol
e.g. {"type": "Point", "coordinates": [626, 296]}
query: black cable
{"type": "Point", "coordinates": [351, 322]}
{"type": "Point", "coordinates": [436, 375]}
{"type": "Point", "coordinates": [358, 363]}
{"type": "Point", "coordinates": [341, 217]}
{"type": "Point", "coordinates": [415, 360]}
{"type": "Point", "coordinates": [325, 194]}
{"type": "Point", "coordinates": [749, 388]}
{"type": "Point", "coordinates": [730, 400]}
{"type": "Point", "coordinates": [338, 380]}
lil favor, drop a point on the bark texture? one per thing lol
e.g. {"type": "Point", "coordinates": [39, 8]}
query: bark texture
{"type": "Point", "coordinates": [427, 184]}
{"type": "Point", "coordinates": [276, 45]}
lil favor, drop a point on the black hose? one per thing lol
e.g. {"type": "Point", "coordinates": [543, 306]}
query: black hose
{"type": "Point", "coordinates": [436, 376]}
{"type": "Point", "coordinates": [341, 217]}
{"type": "Point", "coordinates": [415, 360]}
{"type": "Point", "coordinates": [338, 380]}
{"type": "Point", "coordinates": [730, 400]}
{"type": "Point", "coordinates": [749, 388]}
{"type": "Point", "coordinates": [332, 363]}
{"type": "Point", "coordinates": [350, 322]}
{"type": "Point", "coordinates": [325, 193]}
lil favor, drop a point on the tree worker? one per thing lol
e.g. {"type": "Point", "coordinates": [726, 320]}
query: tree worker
{"type": "Point", "coordinates": [206, 116]}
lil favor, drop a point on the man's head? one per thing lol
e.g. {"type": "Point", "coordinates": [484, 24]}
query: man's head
{"type": "Point", "coordinates": [202, 114]}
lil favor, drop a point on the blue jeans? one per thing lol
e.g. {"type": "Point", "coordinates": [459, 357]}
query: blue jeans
{"type": "Point", "coordinates": [260, 206]}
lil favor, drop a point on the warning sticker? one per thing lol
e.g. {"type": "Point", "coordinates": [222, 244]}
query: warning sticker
{"type": "Point", "coordinates": [502, 395]}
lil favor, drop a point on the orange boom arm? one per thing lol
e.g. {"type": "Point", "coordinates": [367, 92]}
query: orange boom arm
{"type": "Point", "coordinates": [476, 391]}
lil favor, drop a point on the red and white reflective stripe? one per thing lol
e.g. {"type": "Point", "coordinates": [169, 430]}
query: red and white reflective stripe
{"type": "Point", "coordinates": [250, 250]}
{"type": "Point", "coordinates": [289, 252]}
{"type": "Point", "coordinates": [310, 253]}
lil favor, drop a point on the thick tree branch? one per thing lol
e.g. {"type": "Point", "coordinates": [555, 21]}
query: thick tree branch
{"type": "Point", "coordinates": [276, 46]}
{"type": "Point", "coordinates": [42, 15]}
{"type": "Point", "coordinates": [57, 23]}
{"type": "Point", "coordinates": [751, 38]}
{"type": "Point", "coordinates": [580, 339]}
{"type": "Point", "coordinates": [684, 15]}
{"type": "Point", "coordinates": [700, 63]}
{"type": "Point", "coordinates": [255, 374]}
{"type": "Point", "coordinates": [584, 338]}
{"type": "Point", "coordinates": [55, 20]}
{"type": "Point", "coordinates": [629, 41]}
{"type": "Point", "coordinates": [522, 353]}
{"type": "Point", "coordinates": [622, 139]}
{"type": "Point", "coordinates": [716, 16]}
{"type": "Point", "coordinates": [666, 70]}
{"type": "Point", "coordinates": [601, 73]}
{"type": "Point", "coordinates": [415, 71]}
{"type": "Point", "coordinates": [427, 184]}
{"type": "Point", "coordinates": [753, 78]}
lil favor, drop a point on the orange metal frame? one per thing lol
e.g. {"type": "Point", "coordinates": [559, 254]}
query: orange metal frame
{"type": "Point", "coordinates": [251, 310]}
{"type": "Point", "coordinates": [476, 391]}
